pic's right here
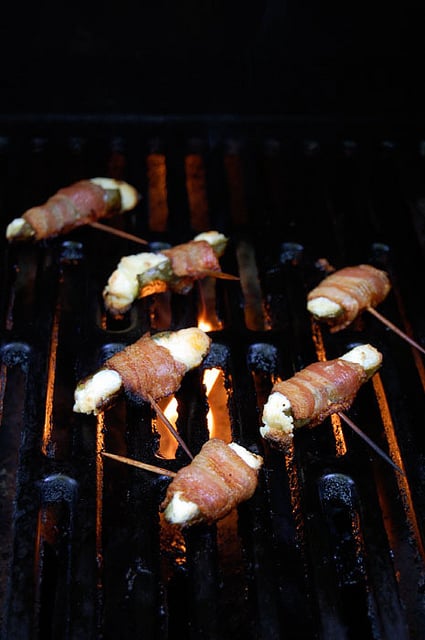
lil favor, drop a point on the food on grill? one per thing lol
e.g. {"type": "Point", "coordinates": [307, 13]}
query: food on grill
{"type": "Point", "coordinates": [78, 204]}
{"type": "Point", "coordinates": [317, 391]}
{"type": "Point", "coordinates": [220, 477]}
{"type": "Point", "coordinates": [174, 269]}
{"type": "Point", "coordinates": [149, 369]}
{"type": "Point", "coordinates": [345, 293]}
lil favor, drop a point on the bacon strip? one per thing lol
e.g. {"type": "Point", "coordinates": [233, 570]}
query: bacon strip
{"type": "Point", "coordinates": [321, 389]}
{"type": "Point", "coordinates": [70, 207]}
{"type": "Point", "coordinates": [148, 370]}
{"type": "Point", "coordinates": [193, 258]}
{"type": "Point", "coordinates": [354, 289]}
{"type": "Point", "coordinates": [216, 480]}
{"type": "Point", "coordinates": [189, 262]}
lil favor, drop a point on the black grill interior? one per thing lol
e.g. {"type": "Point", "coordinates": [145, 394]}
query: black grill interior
{"type": "Point", "coordinates": [331, 544]}
{"type": "Point", "coordinates": [268, 56]}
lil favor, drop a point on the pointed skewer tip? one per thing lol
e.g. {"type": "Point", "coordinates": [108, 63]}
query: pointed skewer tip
{"type": "Point", "coordinates": [220, 275]}
{"type": "Point", "coordinates": [118, 232]}
{"type": "Point", "coordinates": [155, 406]}
{"type": "Point", "coordinates": [393, 327]}
{"type": "Point", "coordinates": [370, 442]}
{"type": "Point", "coordinates": [139, 465]}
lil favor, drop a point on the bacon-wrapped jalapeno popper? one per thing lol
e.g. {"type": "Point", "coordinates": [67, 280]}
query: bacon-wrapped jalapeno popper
{"type": "Point", "coordinates": [78, 204]}
{"type": "Point", "coordinates": [151, 368]}
{"type": "Point", "coordinates": [316, 392]}
{"type": "Point", "coordinates": [174, 269]}
{"type": "Point", "coordinates": [219, 478]}
{"type": "Point", "coordinates": [345, 293]}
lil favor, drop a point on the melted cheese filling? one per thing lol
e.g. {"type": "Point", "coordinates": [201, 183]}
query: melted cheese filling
{"type": "Point", "coordinates": [187, 346]}
{"type": "Point", "coordinates": [322, 307]}
{"type": "Point", "coordinates": [277, 412]}
{"type": "Point", "coordinates": [15, 228]}
{"type": "Point", "coordinates": [277, 415]}
{"type": "Point", "coordinates": [123, 286]}
{"type": "Point", "coordinates": [129, 195]}
{"type": "Point", "coordinates": [182, 511]}
{"type": "Point", "coordinates": [97, 389]}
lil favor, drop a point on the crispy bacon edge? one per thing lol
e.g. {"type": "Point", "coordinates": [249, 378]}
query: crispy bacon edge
{"type": "Point", "coordinates": [316, 392]}
{"type": "Point", "coordinates": [354, 289]}
{"type": "Point", "coordinates": [148, 370]}
{"type": "Point", "coordinates": [70, 207]}
{"type": "Point", "coordinates": [217, 480]}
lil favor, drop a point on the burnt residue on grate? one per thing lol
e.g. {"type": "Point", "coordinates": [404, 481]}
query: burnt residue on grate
{"type": "Point", "coordinates": [331, 543]}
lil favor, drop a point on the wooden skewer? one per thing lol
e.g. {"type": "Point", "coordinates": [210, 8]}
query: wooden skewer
{"type": "Point", "coordinates": [169, 426]}
{"type": "Point", "coordinates": [395, 329]}
{"type": "Point", "coordinates": [140, 465]}
{"type": "Point", "coordinates": [219, 274]}
{"type": "Point", "coordinates": [118, 232]}
{"type": "Point", "coordinates": [165, 472]}
{"type": "Point", "coordinates": [370, 442]}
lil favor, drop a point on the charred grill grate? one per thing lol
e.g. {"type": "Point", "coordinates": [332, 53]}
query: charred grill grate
{"type": "Point", "coordinates": [331, 544]}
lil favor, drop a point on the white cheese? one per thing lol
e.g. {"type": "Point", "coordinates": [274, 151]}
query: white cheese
{"type": "Point", "coordinates": [129, 195]}
{"type": "Point", "coordinates": [322, 307]}
{"type": "Point", "coordinates": [187, 346]}
{"type": "Point", "coordinates": [123, 286]}
{"type": "Point", "coordinates": [367, 356]}
{"type": "Point", "coordinates": [181, 511]}
{"type": "Point", "coordinates": [214, 238]}
{"type": "Point", "coordinates": [129, 199]}
{"type": "Point", "coordinates": [252, 460]}
{"type": "Point", "coordinates": [96, 389]}
{"type": "Point", "coordinates": [277, 415]}
{"type": "Point", "coordinates": [15, 228]}
{"type": "Point", "coordinates": [277, 412]}
{"type": "Point", "coordinates": [209, 236]}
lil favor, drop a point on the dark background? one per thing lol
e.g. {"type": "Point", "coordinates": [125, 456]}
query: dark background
{"type": "Point", "coordinates": [303, 58]}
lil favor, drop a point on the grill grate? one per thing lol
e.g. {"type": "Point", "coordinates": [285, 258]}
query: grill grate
{"type": "Point", "coordinates": [331, 544]}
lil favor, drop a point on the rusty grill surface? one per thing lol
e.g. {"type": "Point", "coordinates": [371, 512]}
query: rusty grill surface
{"type": "Point", "coordinates": [331, 544]}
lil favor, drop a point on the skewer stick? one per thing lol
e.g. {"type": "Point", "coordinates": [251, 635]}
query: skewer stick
{"type": "Point", "coordinates": [170, 427]}
{"type": "Point", "coordinates": [118, 232]}
{"type": "Point", "coordinates": [140, 465]}
{"type": "Point", "coordinates": [395, 329]}
{"type": "Point", "coordinates": [370, 442]}
{"type": "Point", "coordinates": [219, 274]}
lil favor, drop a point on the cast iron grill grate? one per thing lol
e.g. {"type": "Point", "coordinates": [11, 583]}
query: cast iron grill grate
{"type": "Point", "coordinates": [331, 544]}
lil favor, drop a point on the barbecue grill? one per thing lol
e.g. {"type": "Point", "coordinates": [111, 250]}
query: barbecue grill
{"type": "Point", "coordinates": [331, 545]}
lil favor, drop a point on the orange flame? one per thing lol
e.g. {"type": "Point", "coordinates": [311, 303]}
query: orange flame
{"type": "Point", "coordinates": [168, 444]}
{"type": "Point", "coordinates": [217, 418]}
{"type": "Point", "coordinates": [213, 379]}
